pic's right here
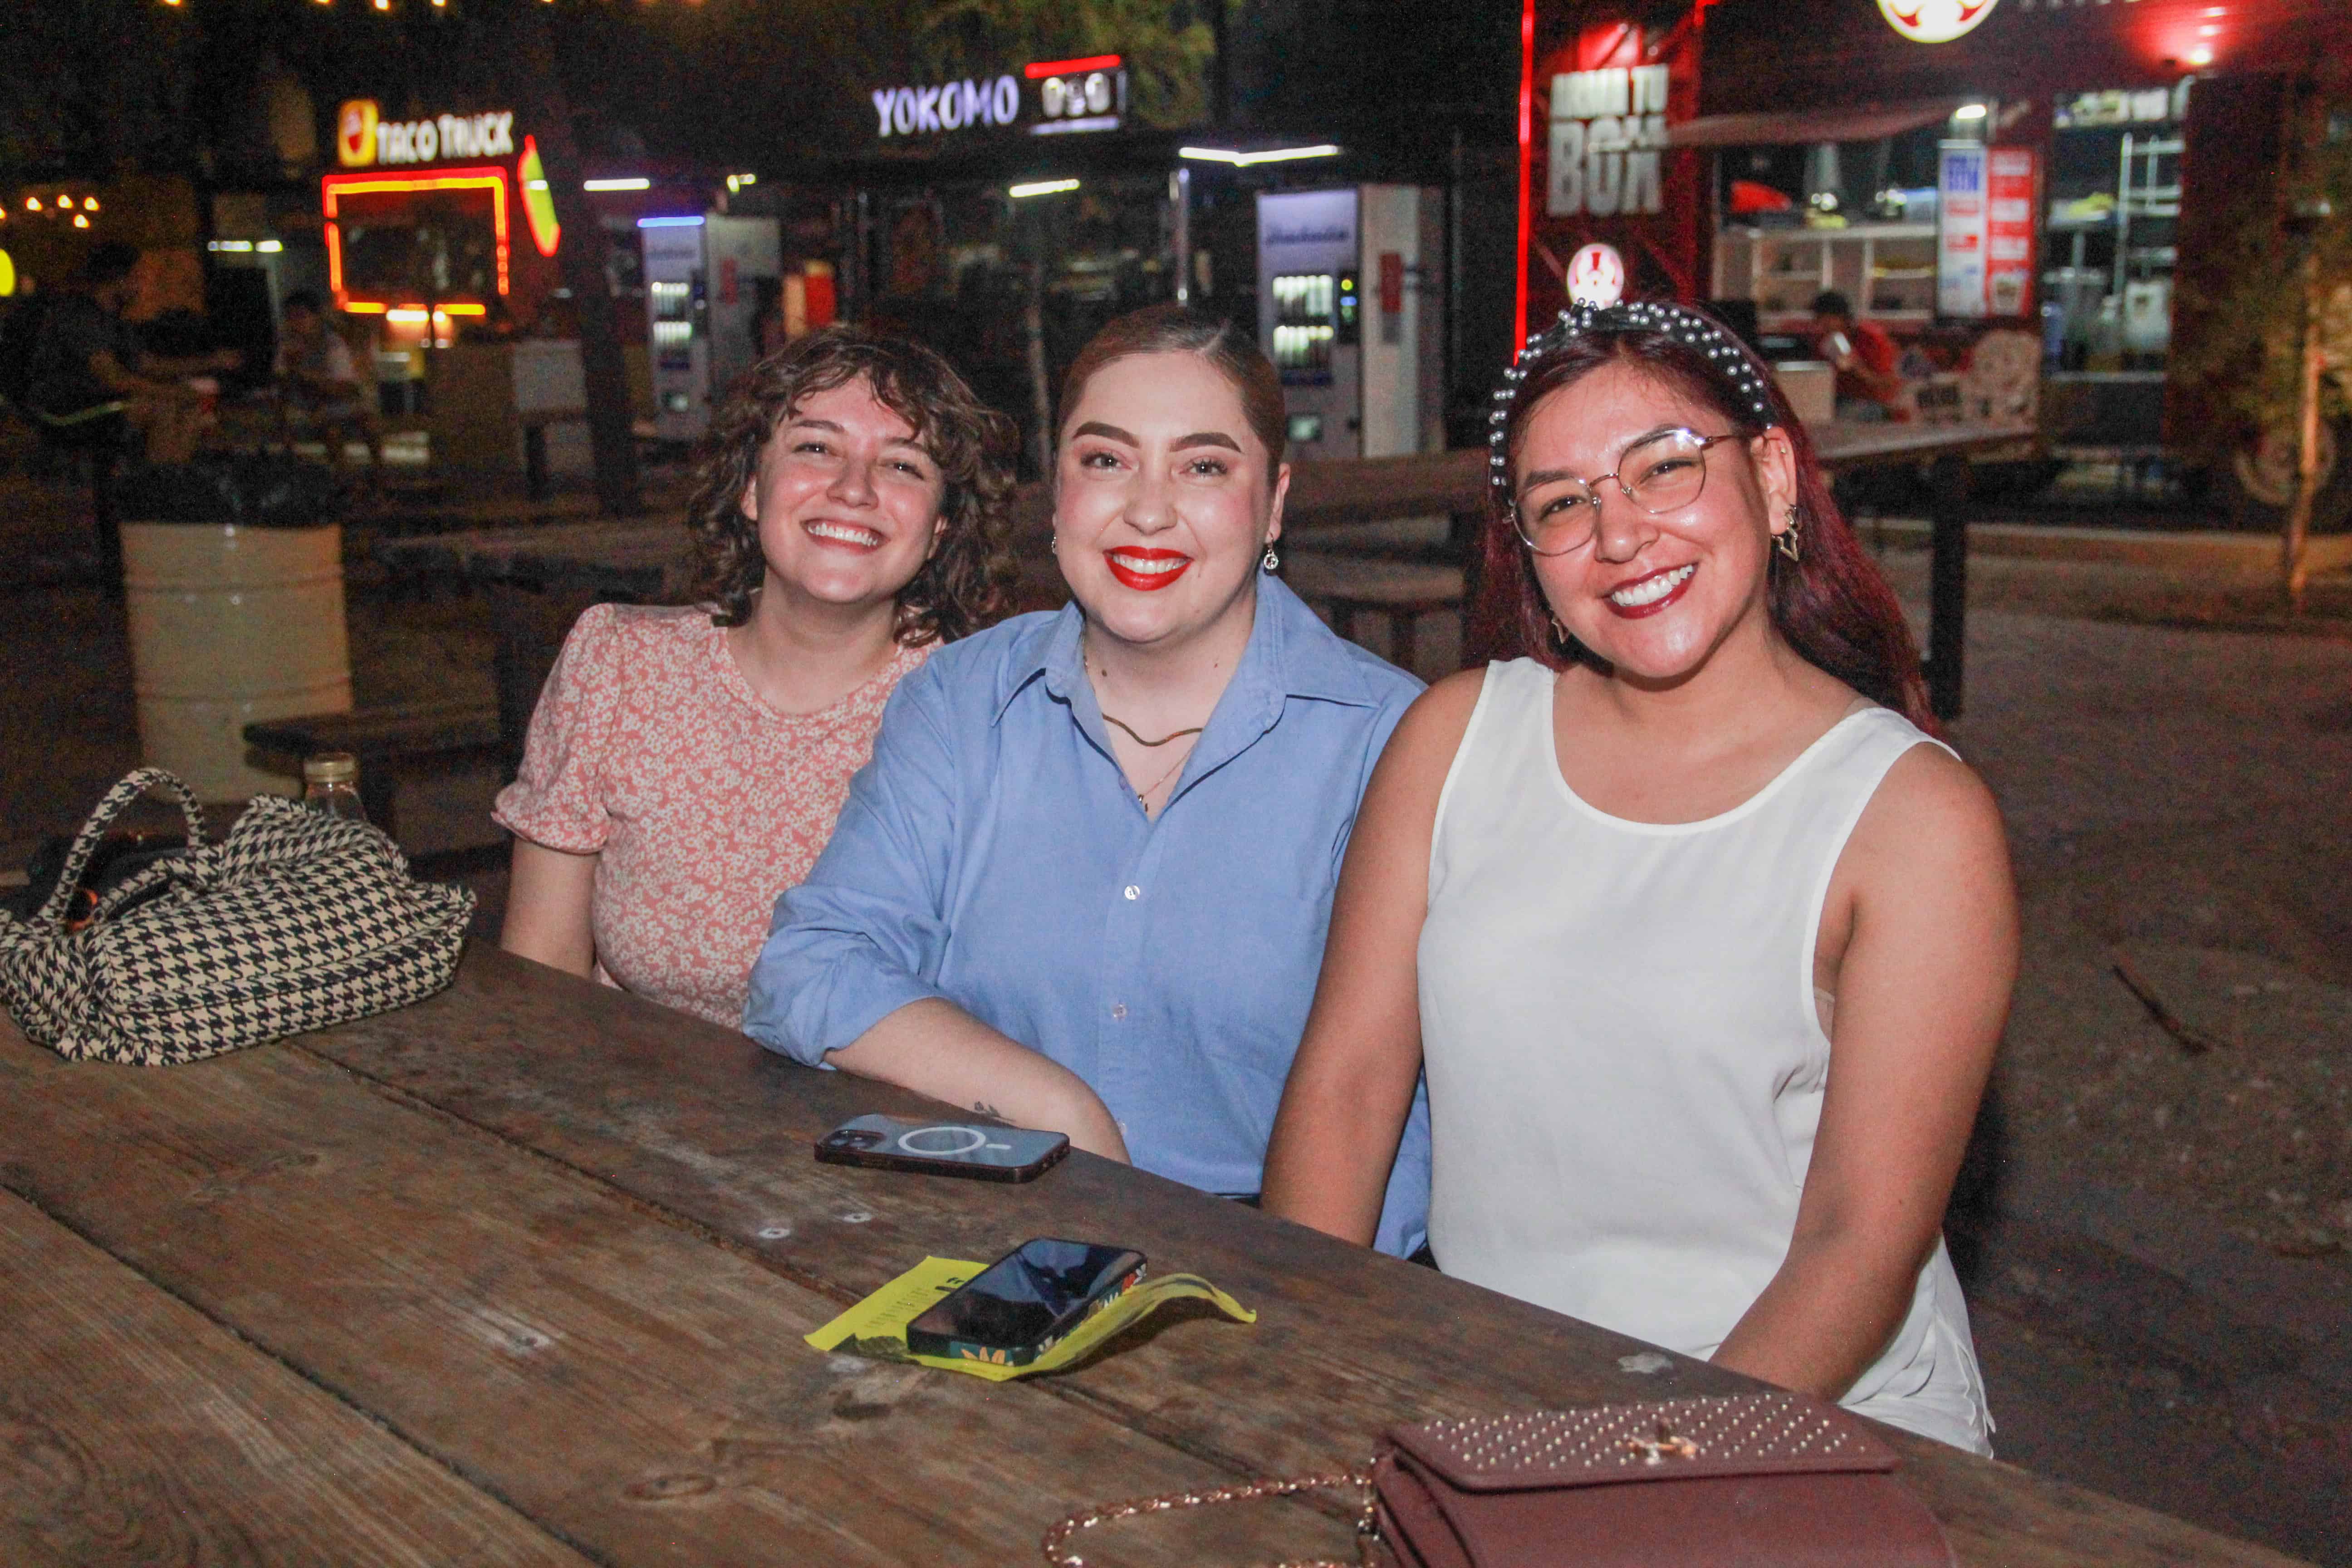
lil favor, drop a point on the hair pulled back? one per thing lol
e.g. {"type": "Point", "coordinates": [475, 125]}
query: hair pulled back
{"type": "Point", "coordinates": [967, 583]}
{"type": "Point", "coordinates": [1179, 328]}
{"type": "Point", "coordinates": [1834, 607]}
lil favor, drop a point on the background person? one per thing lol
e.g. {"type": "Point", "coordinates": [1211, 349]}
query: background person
{"type": "Point", "coordinates": [1706, 945]}
{"type": "Point", "coordinates": [1869, 386]}
{"type": "Point", "coordinates": [87, 364]}
{"type": "Point", "coordinates": [1084, 884]}
{"type": "Point", "coordinates": [318, 386]}
{"type": "Point", "coordinates": [685, 765]}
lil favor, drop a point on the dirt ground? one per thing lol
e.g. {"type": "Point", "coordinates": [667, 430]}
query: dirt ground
{"type": "Point", "coordinates": [2162, 1209]}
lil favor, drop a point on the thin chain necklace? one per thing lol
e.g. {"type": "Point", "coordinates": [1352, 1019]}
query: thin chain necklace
{"type": "Point", "coordinates": [1144, 796]}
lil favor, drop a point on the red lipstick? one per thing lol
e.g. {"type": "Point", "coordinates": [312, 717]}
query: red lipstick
{"type": "Point", "coordinates": [1150, 582]}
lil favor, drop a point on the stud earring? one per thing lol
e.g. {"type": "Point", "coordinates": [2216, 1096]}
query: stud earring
{"type": "Point", "coordinates": [1270, 562]}
{"type": "Point", "coordinates": [1791, 543]}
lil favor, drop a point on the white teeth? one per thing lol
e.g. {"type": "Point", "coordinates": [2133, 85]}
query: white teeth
{"type": "Point", "coordinates": [845, 533]}
{"type": "Point", "coordinates": [1151, 568]}
{"type": "Point", "coordinates": [1650, 590]}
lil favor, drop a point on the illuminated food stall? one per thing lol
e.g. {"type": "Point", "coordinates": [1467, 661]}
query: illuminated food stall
{"type": "Point", "coordinates": [2008, 190]}
{"type": "Point", "coordinates": [432, 221]}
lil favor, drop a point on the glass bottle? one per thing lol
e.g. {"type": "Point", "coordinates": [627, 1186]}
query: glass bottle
{"type": "Point", "coordinates": [331, 786]}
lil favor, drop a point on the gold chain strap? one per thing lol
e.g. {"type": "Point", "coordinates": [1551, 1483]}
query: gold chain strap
{"type": "Point", "coordinates": [1241, 1491]}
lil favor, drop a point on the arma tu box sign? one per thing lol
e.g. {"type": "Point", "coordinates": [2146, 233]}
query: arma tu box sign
{"type": "Point", "coordinates": [1608, 135]}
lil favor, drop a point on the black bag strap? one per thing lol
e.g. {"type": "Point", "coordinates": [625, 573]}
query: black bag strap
{"type": "Point", "coordinates": [118, 799]}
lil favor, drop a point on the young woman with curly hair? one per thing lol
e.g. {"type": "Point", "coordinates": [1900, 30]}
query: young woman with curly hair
{"type": "Point", "coordinates": [1704, 941]}
{"type": "Point", "coordinates": [685, 764]}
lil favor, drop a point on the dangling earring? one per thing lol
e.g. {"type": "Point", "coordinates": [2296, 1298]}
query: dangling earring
{"type": "Point", "coordinates": [1561, 641]}
{"type": "Point", "coordinates": [1269, 561]}
{"type": "Point", "coordinates": [1791, 543]}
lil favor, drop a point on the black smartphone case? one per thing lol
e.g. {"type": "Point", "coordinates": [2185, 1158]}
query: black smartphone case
{"type": "Point", "coordinates": [876, 1160]}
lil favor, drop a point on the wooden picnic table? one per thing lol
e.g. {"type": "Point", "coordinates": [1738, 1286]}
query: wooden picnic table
{"type": "Point", "coordinates": [538, 576]}
{"type": "Point", "coordinates": [520, 1275]}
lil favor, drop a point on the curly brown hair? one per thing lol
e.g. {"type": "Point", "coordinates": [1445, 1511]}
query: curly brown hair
{"type": "Point", "coordinates": [968, 582]}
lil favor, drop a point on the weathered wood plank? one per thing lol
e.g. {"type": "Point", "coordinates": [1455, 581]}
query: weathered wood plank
{"type": "Point", "coordinates": [135, 1431]}
{"type": "Point", "coordinates": [625, 1382]}
{"type": "Point", "coordinates": [718, 1132]}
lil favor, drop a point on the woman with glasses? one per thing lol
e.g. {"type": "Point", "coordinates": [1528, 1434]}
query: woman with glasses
{"type": "Point", "coordinates": [1705, 943]}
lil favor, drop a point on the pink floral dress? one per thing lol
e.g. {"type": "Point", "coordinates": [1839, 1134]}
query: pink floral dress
{"type": "Point", "coordinates": [650, 751]}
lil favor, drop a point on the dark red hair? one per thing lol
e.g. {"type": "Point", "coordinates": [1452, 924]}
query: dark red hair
{"type": "Point", "coordinates": [1834, 607]}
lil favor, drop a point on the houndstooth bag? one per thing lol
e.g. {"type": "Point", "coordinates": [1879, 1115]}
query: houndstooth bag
{"type": "Point", "coordinates": [295, 921]}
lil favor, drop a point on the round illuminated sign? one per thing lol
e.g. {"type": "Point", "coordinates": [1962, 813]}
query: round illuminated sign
{"type": "Point", "coordinates": [7, 274]}
{"type": "Point", "coordinates": [1596, 276]}
{"type": "Point", "coordinates": [356, 125]}
{"type": "Point", "coordinates": [1934, 21]}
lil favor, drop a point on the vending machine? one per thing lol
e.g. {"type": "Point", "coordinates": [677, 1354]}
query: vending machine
{"type": "Point", "coordinates": [706, 281]}
{"type": "Point", "coordinates": [1350, 309]}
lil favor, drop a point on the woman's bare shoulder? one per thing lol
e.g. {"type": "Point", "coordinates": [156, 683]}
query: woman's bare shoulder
{"type": "Point", "coordinates": [1930, 809]}
{"type": "Point", "coordinates": [1440, 717]}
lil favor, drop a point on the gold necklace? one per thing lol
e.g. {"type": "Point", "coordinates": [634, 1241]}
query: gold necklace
{"type": "Point", "coordinates": [1172, 735]}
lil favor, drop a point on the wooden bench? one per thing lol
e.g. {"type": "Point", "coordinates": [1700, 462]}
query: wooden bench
{"type": "Point", "coordinates": [1344, 586]}
{"type": "Point", "coordinates": [389, 743]}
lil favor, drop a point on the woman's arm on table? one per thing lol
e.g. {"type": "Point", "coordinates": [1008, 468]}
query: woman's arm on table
{"type": "Point", "coordinates": [1351, 1084]}
{"type": "Point", "coordinates": [1922, 993]}
{"type": "Point", "coordinates": [547, 917]}
{"type": "Point", "coordinates": [848, 976]}
{"type": "Point", "coordinates": [935, 1048]}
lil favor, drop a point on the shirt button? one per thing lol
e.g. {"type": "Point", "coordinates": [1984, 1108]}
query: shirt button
{"type": "Point", "coordinates": [1133, 892]}
{"type": "Point", "coordinates": [1119, 1009]}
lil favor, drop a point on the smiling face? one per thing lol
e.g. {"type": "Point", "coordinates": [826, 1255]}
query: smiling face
{"type": "Point", "coordinates": [1162, 505]}
{"type": "Point", "coordinates": [846, 500]}
{"type": "Point", "coordinates": [1654, 595]}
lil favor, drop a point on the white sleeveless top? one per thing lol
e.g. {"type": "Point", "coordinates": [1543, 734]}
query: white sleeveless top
{"type": "Point", "coordinates": [1625, 1062]}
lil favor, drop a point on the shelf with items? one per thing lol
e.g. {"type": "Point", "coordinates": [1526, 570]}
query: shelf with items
{"type": "Point", "coordinates": [1886, 269]}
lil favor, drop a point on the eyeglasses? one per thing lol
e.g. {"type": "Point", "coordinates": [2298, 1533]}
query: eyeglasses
{"type": "Point", "coordinates": [1660, 473]}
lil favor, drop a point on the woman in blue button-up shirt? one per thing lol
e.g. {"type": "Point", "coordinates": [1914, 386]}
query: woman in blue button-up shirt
{"type": "Point", "coordinates": [1083, 882]}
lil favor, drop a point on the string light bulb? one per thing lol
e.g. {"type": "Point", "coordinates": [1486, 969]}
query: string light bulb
{"type": "Point", "coordinates": [80, 222]}
{"type": "Point", "coordinates": [89, 204]}
{"type": "Point", "coordinates": [32, 204]}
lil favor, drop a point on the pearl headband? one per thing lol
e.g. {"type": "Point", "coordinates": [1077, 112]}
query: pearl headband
{"type": "Point", "coordinates": [1684, 326]}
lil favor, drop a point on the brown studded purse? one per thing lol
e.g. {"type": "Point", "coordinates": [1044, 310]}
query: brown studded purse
{"type": "Point", "coordinates": [1764, 1480]}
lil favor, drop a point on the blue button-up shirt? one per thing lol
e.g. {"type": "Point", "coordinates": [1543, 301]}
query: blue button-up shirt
{"type": "Point", "coordinates": [993, 855]}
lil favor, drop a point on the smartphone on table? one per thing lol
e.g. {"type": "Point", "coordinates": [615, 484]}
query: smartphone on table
{"type": "Point", "coordinates": [1026, 1301]}
{"type": "Point", "coordinates": [943, 1148]}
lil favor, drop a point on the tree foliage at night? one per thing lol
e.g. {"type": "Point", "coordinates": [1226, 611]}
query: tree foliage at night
{"type": "Point", "coordinates": [1167, 48]}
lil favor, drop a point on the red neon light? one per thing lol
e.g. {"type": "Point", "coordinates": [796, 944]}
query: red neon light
{"type": "Point", "coordinates": [1044, 68]}
{"type": "Point", "coordinates": [333, 187]}
{"type": "Point", "coordinates": [1527, 167]}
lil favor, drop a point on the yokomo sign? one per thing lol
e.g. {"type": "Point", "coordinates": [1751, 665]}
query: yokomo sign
{"type": "Point", "coordinates": [1934, 21]}
{"type": "Point", "coordinates": [1089, 94]}
{"type": "Point", "coordinates": [952, 106]}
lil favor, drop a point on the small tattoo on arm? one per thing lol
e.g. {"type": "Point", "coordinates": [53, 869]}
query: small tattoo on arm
{"type": "Point", "coordinates": [987, 1109]}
